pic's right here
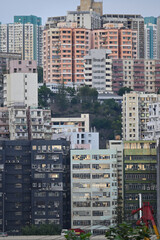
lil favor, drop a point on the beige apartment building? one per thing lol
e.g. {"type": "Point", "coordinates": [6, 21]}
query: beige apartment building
{"type": "Point", "coordinates": [19, 122]}
{"type": "Point", "coordinates": [135, 114]}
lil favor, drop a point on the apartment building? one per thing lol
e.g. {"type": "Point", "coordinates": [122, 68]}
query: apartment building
{"type": "Point", "coordinates": [69, 125]}
{"type": "Point", "coordinates": [34, 184]}
{"type": "Point", "coordinates": [29, 123]}
{"type": "Point", "coordinates": [4, 124]}
{"type": "Point", "coordinates": [130, 21]}
{"type": "Point", "coordinates": [24, 36]}
{"type": "Point", "coordinates": [137, 74]}
{"type": "Point", "coordinates": [64, 49]}
{"type": "Point", "coordinates": [86, 5]}
{"type": "Point", "coordinates": [3, 37]}
{"type": "Point", "coordinates": [21, 83]}
{"type": "Point", "coordinates": [140, 163]}
{"type": "Point", "coordinates": [85, 19]}
{"type": "Point", "coordinates": [150, 43]}
{"type": "Point", "coordinates": [98, 70]}
{"type": "Point", "coordinates": [51, 183]}
{"type": "Point", "coordinates": [93, 189]}
{"type": "Point", "coordinates": [135, 114]}
{"type": "Point", "coordinates": [121, 42]}
{"type": "Point", "coordinates": [153, 125]}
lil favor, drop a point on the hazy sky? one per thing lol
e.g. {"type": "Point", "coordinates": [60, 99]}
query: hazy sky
{"type": "Point", "coordinates": [48, 8]}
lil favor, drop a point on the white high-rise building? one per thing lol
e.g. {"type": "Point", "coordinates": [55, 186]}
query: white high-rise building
{"type": "Point", "coordinates": [24, 36]}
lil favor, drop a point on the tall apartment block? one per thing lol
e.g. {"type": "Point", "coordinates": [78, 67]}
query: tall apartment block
{"type": "Point", "coordinates": [21, 83]}
{"type": "Point", "coordinates": [150, 43]}
{"type": "Point", "coordinates": [64, 49]}
{"type": "Point", "coordinates": [50, 183]}
{"type": "Point", "coordinates": [135, 114]}
{"type": "Point", "coordinates": [93, 189]}
{"type": "Point", "coordinates": [34, 184]}
{"type": "Point", "coordinates": [134, 22]}
{"type": "Point", "coordinates": [86, 5]}
{"type": "Point", "coordinates": [138, 74]}
{"type": "Point", "coordinates": [23, 36]}
{"type": "Point", "coordinates": [122, 42]}
{"type": "Point", "coordinates": [140, 162]}
{"type": "Point", "coordinates": [98, 66]}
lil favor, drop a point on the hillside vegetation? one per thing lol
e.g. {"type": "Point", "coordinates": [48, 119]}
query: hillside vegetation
{"type": "Point", "coordinates": [105, 117]}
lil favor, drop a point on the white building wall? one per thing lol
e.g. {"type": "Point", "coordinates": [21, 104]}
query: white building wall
{"type": "Point", "coordinates": [89, 138]}
{"type": "Point", "coordinates": [21, 88]}
{"type": "Point", "coordinates": [93, 189]}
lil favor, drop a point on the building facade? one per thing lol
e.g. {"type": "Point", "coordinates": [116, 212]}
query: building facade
{"type": "Point", "coordinates": [63, 52]}
{"type": "Point", "coordinates": [134, 22]}
{"type": "Point", "coordinates": [140, 163]}
{"type": "Point", "coordinates": [153, 125]}
{"type": "Point", "coordinates": [121, 42]}
{"type": "Point", "coordinates": [93, 189]}
{"type": "Point", "coordinates": [24, 36]}
{"type": "Point", "coordinates": [21, 83]}
{"type": "Point", "coordinates": [138, 74]}
{"type": "Point", "coordinates": [34, 183]}
{"type": "Point", "coordinates": [150, 38]}
{"type": "Point", "coordinates": [98, 67]}
{"type": "Point", "coordinates": [68, 125]}
{"type": "Point", "coordinates": [135, 114]}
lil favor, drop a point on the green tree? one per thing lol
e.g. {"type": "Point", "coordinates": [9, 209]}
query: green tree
{"type": "Point", "coordinates": [45, 96]}
{"type": "Point", "coordinates": [61, 98]}
{"type": "Point", "coordinates": [87, 94]}
{"type": "Point", "coordinates": [71, 235]}
{"type": "Point", "coordinates": [124, 90]}
{"type": "Point", "coordinates": [40, 74]}
{"type": "Point", "coordinates": [125, 231]}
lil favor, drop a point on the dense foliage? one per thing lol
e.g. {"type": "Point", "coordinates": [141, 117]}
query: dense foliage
{"type": "Point", "coordinates": [125, 231]}
{"type": "Point", "coordinates": [104, 117]}
{"type": "Point", "coordinates": [43, 229]}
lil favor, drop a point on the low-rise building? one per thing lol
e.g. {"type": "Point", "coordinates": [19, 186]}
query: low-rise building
{"type": "Point", "coordinates": [70, 124]}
